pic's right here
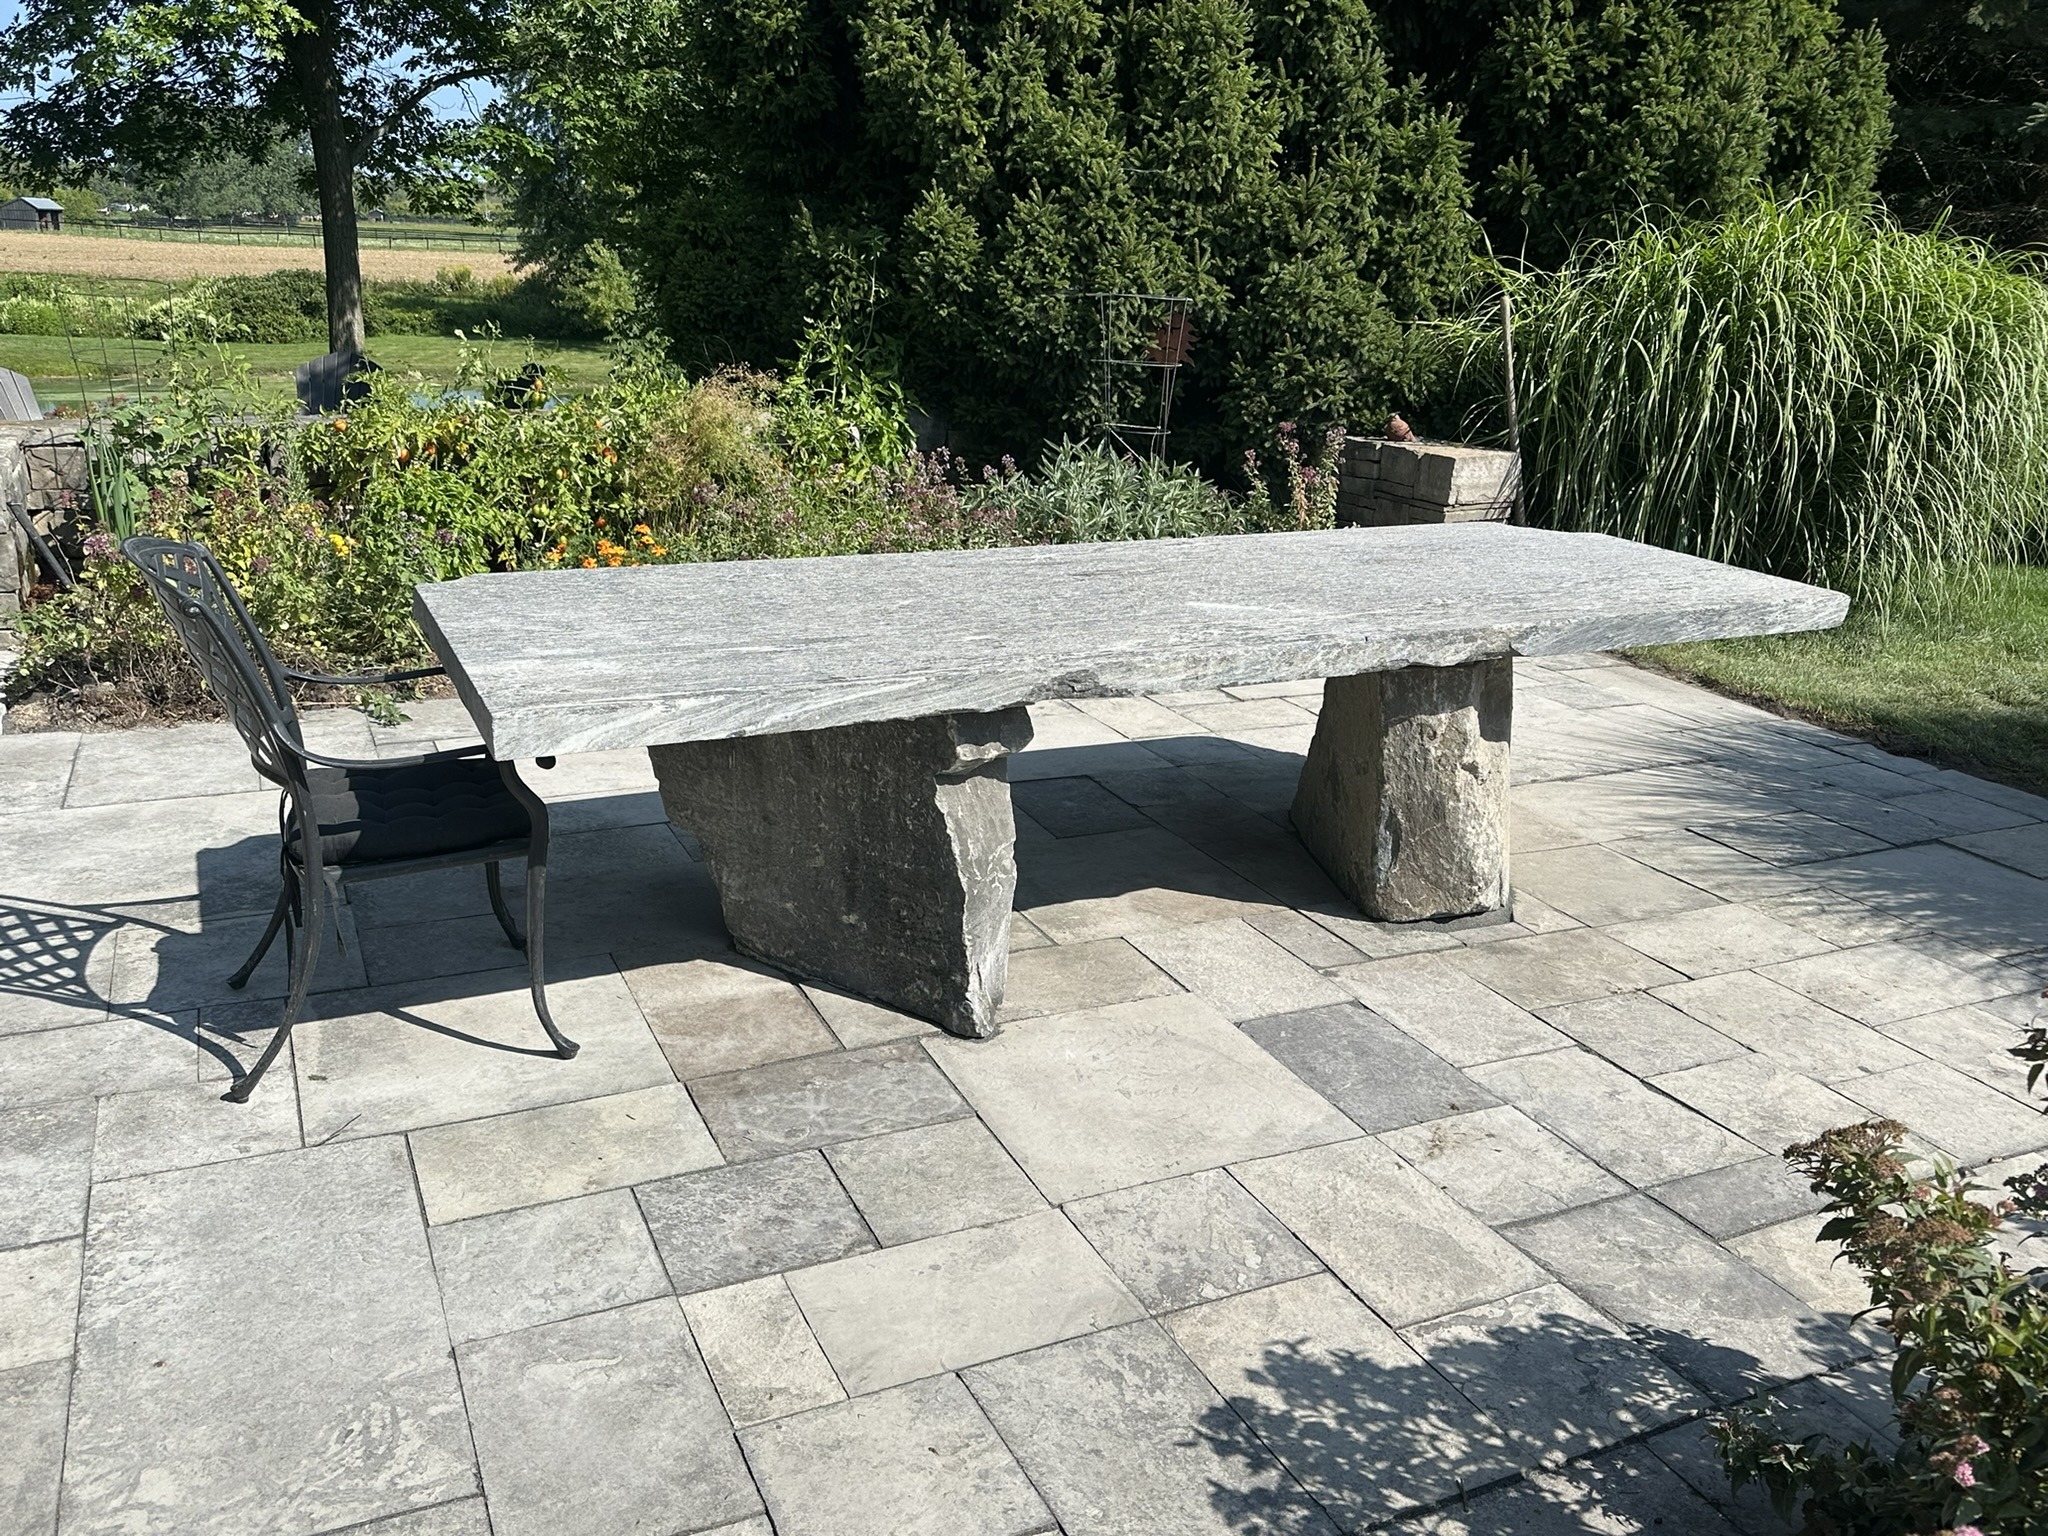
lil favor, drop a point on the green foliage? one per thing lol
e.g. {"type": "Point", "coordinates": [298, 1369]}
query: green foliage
{"type": "Point", "coordinates": [596, 289]}
{"type": "Point", "coordinates": [1583, 112]}
{"type": "Point", "coordinates": [1797, 389]}
{"type": "Point", "coordinates": [416, 484]}
{"type": "Point", "coordinates": [286, 305]}
{"type": "Point", "coordinates": [1969, 78]}
{"type": "Point", "coordinates": [1971, 1378]}
{"type": "Point", "coordinates": [957, 179]}
{"type": "Point", "coordinates": [1088, 494]}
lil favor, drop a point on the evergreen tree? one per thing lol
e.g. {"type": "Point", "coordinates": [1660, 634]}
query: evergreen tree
{"type": "Point", "coordinates": [1580, 111]}
{"type": "Point", "coordinates": [949, 180]}
{"type": "Point", "coordinates": [1971, 146]}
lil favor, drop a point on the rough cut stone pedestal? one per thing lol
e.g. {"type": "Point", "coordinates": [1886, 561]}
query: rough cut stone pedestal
{"type": "Point", "coordinates": [1404, 801]}
{"type": "Point", "coordinates": [879, 858]}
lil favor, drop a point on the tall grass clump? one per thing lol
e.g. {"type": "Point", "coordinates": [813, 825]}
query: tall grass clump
{"type": "Point", "coordinates": [1801, 389]}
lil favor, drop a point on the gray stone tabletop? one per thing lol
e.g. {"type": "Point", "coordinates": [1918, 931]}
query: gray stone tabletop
{"type": "Point", "coordinates": [568, 661]}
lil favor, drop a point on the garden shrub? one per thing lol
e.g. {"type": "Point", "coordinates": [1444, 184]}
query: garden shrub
{"type": "Point", "coordinates": [1581, 113]}
{"type": "Point", "coordinates": [1970, 1382]}
{"type": "Point", "coordinates": [413, 484]}
{"type": "Point", "coordinates": [1800, 389]}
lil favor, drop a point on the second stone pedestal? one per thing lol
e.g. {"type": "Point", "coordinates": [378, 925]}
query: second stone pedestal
{"type": "Point", "coordinates": [1404, 801]}
{"type": "Point", "coordinates": [878, 858]}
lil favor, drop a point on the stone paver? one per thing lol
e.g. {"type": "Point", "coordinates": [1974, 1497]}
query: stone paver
{"type": "Point", "coordinates": [1501, 1165]}
{"type": "Point", "coordinates": [1968, 1121]}
{"type": "Point", "coordinates": [162, 1128]}
{"type": "Point", "coordinates": [1236, 967]}
{"type": "Point", "coordinates": [1558, 1378]}
{"type": "Point", "coordinates": [537, 1265]}
{"type": "Point", "coordinates": [535, 1155]}
{"type": "Point", "coordinates": [1553, 968]}
{"type": "Point", "coordinates": [917, 1460]}
{"type": "Point", "coordinates": [1390, 1234]}
{"type": "Point", "coordinates": [1761, 1101]}
{"type": "Point", "coordinates": [1372, 1071]}
{"type": "Point", "coordinates": [1432, 1205]}
{"type": "Point", "coordinates": [1345, 1402]}
{"type": "Point", "coordinates": [1711, 940]}
{"type": "Point", "coordinates": [1060, 978]}
{"type": "Point", "coordinates": [314, 1263]}
{"type": "Point", "coordinates": [709, 1228]}
{"type": "Point", "coordinates": [932, 1179]}
{"type": "Point", "coordinates": [1456, 1017]}
{"type": "Point", "coordinates": [1727, 1202]}
{"type": "Point", "coordinates": [944, 1302]}
{"type": "Point", "coordinates": [722, 1013]}
{"type": "Point", "coordinates": [1717, 1319]}
{"type": "Point", "coordinates": [761, 1353]}
{"type": "Point", "coordinates": [1625, 1126]}
{"type": "Point", "coordinates": [401, 1059]}
{"type": "Point", "coordinates": [1123, 1436]}
{"type": "Point", "coordinates": [119, 1056]}
{"type": "Point", "coordinates": [38, 1302]}
{"type": "Point", "coordinates": [605, 1424]}
{"type": "Point", "coordinates": [1116, 1096]}
{"type": "Point", "coordinates": [1597, 885]}
{"type": "Point", "coordinates": [1790, 1028]}
{"type": "Point", "coordinates": [1883, 983]}
{"type": "Point", "coordinates": [45, 1166]}
{"type": "Point", "coordinates": [1188, 1240]}
{"type": "Point", "coordinates": [33, 1399]}
{"type": "Point", "coordinates": [814, 1101]}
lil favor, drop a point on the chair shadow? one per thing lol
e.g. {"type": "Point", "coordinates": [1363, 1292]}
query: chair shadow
{"type": "Point", "coordinates": [1362, 1441]}
{"type": "Point", "coordinates": [166, 962]}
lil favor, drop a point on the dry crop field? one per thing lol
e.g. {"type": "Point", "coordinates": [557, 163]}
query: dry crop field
{"type": "Point", "coordinates": [125, 256]}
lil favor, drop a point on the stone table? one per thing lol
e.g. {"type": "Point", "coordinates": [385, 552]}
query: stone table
{"type": "Point", "coordinates": [835, 731]}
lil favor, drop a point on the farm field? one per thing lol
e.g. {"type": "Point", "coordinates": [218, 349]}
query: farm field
{"type": "Point", "coordinates": [118, 256]}
{"type": "Point", "coordinates": [79, 369]}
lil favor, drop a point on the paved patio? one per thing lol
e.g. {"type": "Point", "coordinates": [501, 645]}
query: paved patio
{"type": "Point", "coordinates": [1257, 1218]}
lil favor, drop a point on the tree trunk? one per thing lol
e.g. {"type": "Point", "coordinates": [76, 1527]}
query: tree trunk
{"type": "Point", "coordinates": [312, 53]}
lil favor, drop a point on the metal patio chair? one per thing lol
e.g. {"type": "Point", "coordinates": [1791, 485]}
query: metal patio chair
{"type": "Point", "coordinates": [340, 820]}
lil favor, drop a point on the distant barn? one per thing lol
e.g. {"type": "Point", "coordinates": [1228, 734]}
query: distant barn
{"type": "Point", "coordinates": [32, 213]}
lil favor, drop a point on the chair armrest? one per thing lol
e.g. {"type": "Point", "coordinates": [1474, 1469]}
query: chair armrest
{"type": "Point", "coordinates": [366, 680]}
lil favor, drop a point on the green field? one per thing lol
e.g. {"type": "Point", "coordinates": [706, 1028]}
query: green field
{"type": "Point", "coordinates": [1962, 680]}
{"type": "Point", "coordinates": [75, 370]}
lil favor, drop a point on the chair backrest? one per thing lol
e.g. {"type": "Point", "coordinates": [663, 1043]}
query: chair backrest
{"type": "Point", "coordinates": [327, 383]}
{"type": "Point", "coordinates": [209, 618]}
{"type": "Point", "coordinates": [18, 398]}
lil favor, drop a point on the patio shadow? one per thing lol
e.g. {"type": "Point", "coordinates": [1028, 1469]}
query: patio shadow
{"type": "Point", "coordinates": [1372, 1437]}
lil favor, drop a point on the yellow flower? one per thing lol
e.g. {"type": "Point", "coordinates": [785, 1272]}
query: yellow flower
{"type": "Point", "coordinates": [340, 544]}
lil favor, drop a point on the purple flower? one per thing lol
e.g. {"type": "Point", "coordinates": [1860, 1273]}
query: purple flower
{"type": "Point", "coordinates": [99, 546]}
{"type": "Point", "coordinates": [444, 537]}
{"type": "Point", "coordinates": [1966, 1475]}
{"type": "Point", "coordinates": [1966, 1530]}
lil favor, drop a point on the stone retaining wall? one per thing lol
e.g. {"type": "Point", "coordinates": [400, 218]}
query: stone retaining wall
{"type": "Point", "coordinates": [1380, 482]}
{"type": "Point", "coordinates": [42, 467]}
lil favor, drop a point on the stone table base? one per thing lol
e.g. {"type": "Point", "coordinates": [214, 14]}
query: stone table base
{"type": "Point", "coordinates": [879, 858]}
{"type": "Point", "coordinates": [1404, 801]}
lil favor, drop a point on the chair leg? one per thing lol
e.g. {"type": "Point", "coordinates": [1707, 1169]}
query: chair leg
{"type": "Point", "coordinates": [536, 888]}
{"type": "Point", "coordinates": [305, 956]}
{"type": "Point", "coordinates": [284, 903]}
{"type": "Point", "coordinates": [498, 906]}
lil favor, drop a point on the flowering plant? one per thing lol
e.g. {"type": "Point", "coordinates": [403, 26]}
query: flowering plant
{"type": "Point", "coordinates": [1970, 1382]}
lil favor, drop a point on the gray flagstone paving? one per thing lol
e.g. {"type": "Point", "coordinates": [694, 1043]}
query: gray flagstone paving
{"type": "Point", "coordinates": [1257, 1217]}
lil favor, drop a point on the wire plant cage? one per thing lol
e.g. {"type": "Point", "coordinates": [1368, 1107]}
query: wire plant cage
{"type": "Point", "coordinates": [1145, 338]}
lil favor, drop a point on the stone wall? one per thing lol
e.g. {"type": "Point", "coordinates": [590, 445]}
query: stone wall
{"type": "Point", "coordinates": [42, 467]}
{"type": "Point", "coordinates": [1380, 482]}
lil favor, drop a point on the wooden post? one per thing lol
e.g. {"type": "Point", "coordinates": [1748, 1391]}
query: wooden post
{"type": "Point", "coordinates": [1507, 348]}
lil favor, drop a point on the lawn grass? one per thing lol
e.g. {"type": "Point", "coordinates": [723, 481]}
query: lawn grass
{"type": "Point", "coordinates": [1961, 678]}
{"type": "Point", "coordinates": [80, 369]}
